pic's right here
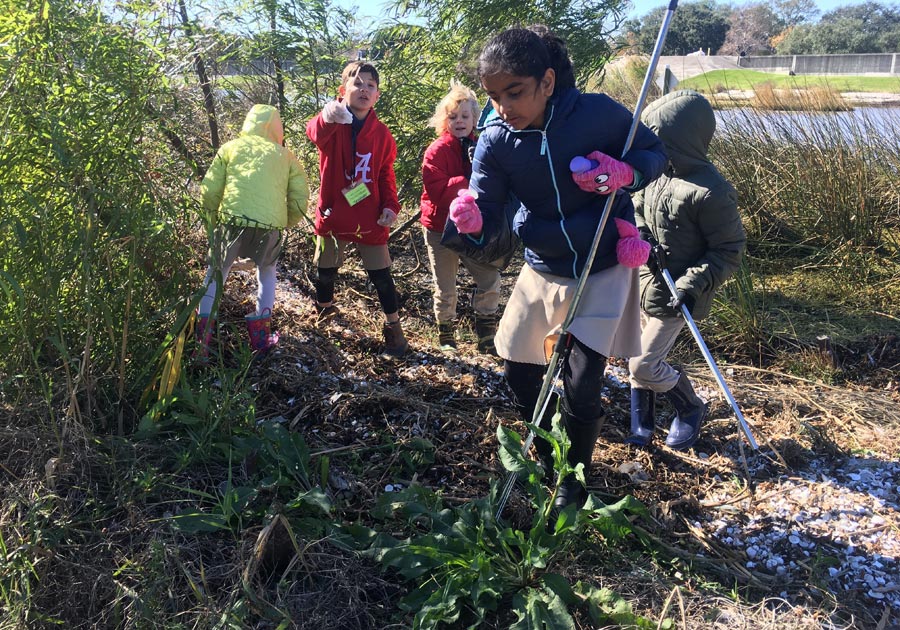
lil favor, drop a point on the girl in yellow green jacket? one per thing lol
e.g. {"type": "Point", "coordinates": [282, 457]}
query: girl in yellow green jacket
{"type": "Point", "coordinates": [253, 190]}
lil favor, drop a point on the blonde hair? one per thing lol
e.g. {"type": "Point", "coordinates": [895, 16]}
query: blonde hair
{"type": "Point", "coordinates": [458, 97]}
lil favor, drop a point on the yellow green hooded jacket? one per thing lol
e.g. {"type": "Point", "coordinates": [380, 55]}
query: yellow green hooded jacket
{"type": "Point", "coordinates": [255, 181]}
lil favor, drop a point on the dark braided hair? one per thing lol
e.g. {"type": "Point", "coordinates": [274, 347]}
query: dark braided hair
{"type": "Point", "coordinates": [528, 52]}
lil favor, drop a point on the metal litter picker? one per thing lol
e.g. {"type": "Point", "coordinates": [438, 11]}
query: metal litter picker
{"type": "Point", "coordinates": [555, 363]}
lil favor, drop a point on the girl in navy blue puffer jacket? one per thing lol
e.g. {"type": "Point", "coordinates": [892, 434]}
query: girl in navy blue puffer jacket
{"type": "Point", "coordinates": [541, 122]}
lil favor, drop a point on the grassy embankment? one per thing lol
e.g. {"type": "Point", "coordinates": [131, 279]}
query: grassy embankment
{"type": "Point", "coordinates": [762, 90]}
{"type": "Point", "coordinates": [721, 80]}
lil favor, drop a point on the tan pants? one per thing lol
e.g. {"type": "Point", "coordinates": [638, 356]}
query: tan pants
{"type": "Point", "coordinates": [232, 241]}
{"type": "Point", "coordinates": [444, 269]}
{"type": "Point", "coordinates": [331, 252]}
{"type": "Point", "coordinates": [649, 370]}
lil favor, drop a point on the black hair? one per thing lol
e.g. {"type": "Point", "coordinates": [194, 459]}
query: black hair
{"type": "Point", "coordinates": [528, 52]}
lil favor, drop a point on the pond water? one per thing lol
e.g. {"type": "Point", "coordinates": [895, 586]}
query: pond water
{"type": "Point", "coordinates": [880, 124]}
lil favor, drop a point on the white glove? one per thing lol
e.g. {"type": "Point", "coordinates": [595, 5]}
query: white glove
{"type": "Point", "coordinates": [336, 112]}
{"type": "Point", "coordinates": [387, 218]}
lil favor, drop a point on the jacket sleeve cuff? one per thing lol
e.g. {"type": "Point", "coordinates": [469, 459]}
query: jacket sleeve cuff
{"type": "Point", "coordinates": [638, 180]}
{"type": "Point", "coordinates": [477, 241]}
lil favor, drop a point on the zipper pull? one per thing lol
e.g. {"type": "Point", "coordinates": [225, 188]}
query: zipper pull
{"type": "Point", "coordinates": [543, 142]}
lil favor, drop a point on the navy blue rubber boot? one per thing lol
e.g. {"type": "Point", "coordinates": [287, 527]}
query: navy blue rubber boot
{"type": "Point", "coordinates": [643, 417]}
{"type": "Point", "coordinates": [690, 412]}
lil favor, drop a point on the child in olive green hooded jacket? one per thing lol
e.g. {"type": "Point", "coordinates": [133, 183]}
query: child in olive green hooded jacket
{"type": "Point", "coordinates": [254, 189]}
{"type": "Point", "coordinates": [691, 212]}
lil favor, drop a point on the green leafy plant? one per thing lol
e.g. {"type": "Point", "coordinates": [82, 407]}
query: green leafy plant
{"type": "Point", "coordinates": [282, 464]}
{"type": "Point", "coordinates": [230, 504]}
{"type": "Point", "coordinates": [466, 565]}
{"type": "Point", "coordinates": [206, 407]}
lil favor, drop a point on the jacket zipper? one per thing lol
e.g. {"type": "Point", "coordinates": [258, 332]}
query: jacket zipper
{"type": "Point", "coordinates": [545, 150]}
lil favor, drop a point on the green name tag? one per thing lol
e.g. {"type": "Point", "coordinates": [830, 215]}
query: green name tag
{"type": "Point", "coordinates": [356, 192]}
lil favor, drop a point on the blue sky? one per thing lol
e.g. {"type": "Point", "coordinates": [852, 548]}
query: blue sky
{"type": "Point", "coordinates": [375, 8]}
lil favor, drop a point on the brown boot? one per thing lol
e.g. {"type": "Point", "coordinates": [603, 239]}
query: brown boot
{"type": "Point", "coordinates": [395, 343]}
{"type": "Point", "coordinates": [447, 337]}
{"type": "Point", "coordinates": [485, 329]}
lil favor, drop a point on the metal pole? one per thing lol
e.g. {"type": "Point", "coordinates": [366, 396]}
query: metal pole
{"type": "Point", "coordinates": [552, 372]}
{"type": "Point", "coordinates": [709, 360]}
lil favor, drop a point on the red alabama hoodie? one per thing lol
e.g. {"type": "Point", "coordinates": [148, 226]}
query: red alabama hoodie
{"type": "Point", "coordinates": [373, 163]}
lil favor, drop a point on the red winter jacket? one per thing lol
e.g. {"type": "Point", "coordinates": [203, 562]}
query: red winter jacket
{"type": "Point", "coordinates": [444, 173]}
{"type": "Point", "coordinates": [373, 163]}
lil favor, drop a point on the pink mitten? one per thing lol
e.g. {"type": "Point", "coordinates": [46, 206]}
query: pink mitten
{"type": "Point", "coordinates": [631, 250]}
{"type": "Point", "coordinates": [465, 214]}
{"type": "Point", "coordinates": [609, 175]}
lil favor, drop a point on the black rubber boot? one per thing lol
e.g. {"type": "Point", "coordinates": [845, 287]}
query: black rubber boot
{"type": "Point", "coordinates": [690, 412]}
{"type": "Point", "coordinates": [582, 434]}
{"type": "Point", "coordinates": [643, 417]}
{"type": "Point", "coordinates": [542, 446]}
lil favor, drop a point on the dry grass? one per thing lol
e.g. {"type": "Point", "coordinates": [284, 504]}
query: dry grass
{"type": "Point", "coordinates": [104, 554]}
{"type": "Point", "coordinates": [812, 99]}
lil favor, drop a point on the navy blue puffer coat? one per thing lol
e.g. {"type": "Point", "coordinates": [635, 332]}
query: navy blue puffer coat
{"type": "Point", "coordinates": [557, 220]}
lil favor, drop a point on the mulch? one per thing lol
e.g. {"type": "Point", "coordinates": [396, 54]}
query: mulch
{"type": "Point", "coordinates": [329, 381]}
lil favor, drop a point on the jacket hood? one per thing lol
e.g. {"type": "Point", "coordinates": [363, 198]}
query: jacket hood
{"type": "Point", "coordinates": [685, 122]}
{"type": "Point", "coordinates": [488, 116]}
{"type": "Point", "coordinates": [264, 121]}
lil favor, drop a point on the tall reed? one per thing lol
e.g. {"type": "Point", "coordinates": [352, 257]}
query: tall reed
{"type": "Point", "coordinates": [809, 99]}
{"type": "Point", "coordinates": [623, 78]}
{"type": "Point", "coordinates": [823, 183]}
{"type": "Point", "coordinates": [88, 242]}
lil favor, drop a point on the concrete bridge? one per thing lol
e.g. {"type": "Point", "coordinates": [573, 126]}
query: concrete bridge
{"type": "Point", "coordinates": [873, 64]}
{"type": "Point", "coordinates": [685, 67]}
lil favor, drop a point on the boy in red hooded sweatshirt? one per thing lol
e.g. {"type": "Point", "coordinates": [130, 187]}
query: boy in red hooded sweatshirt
{"type": "Point", "coordinates": [357, 195]}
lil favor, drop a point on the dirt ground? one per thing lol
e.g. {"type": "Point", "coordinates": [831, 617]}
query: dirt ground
{"type": "Point", "coordinates": [806, 529]}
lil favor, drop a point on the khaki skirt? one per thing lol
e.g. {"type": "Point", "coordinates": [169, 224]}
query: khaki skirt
{"type": "Point", "coordinates": [608, 318]}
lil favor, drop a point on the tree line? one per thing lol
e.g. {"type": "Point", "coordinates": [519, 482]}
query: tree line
{"type": "Point", "coordinates": [783, 27]}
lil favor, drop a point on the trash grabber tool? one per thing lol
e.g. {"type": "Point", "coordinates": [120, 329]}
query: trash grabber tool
{"type": "Point", "coordinates": [554, 365]}
{"type": "Point", "coordinates": [745, 428]}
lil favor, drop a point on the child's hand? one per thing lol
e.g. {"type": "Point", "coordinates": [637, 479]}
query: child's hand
{"type": "Point", "coordinates": [631, 250]}
{"type": "Point", "coordinates": [387, 218]}
{"type": "Point", "coordinates": [336, 112]}
{"type": "Point", "coordinates": [607, 177]}
{"type": "Point", "coordinates": [465, 214]}
{"type": "Point", "coordinates": [682, 298]}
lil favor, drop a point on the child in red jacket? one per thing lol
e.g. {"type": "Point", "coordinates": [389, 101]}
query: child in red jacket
{"type": "Point", "coordinates": [445, 171]}
{"type": "Point", "coordinates": [357, 195]}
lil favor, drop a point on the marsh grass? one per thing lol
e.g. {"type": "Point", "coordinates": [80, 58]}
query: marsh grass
{"type": "Point", "coordinates": [816, 98]}
{"type": "Point", "coordinates": [742, 315]}
{"type": "Point", "coordinates": [622, 81]}
{"type": "Point", "coordinates": [819, 199]}
{"type": "Point", "coordinates": [820, 182]}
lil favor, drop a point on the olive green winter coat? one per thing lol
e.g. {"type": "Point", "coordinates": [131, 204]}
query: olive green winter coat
{"type": "Point", "coordinates": [691, 210]}
{"type": "Point", "coordinates": [255, 181]}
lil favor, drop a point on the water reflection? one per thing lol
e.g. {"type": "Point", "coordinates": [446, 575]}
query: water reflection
{"type": "Point", "coordinates": [873, 124]}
